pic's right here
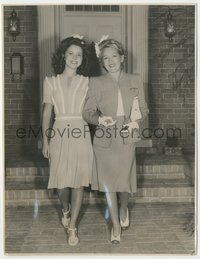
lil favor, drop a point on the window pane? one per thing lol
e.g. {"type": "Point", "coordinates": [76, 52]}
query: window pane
{"type": "Point", "coordinates": [106, 8]}
{"type": "Point", "coordinates": [115, 8]}
{"type": "Point", "coordinates": [92, 8]}
{"type": "Point", "coordinates": [69, 7]}
{"type": "Point", "coordinates": [97, 8]}
{"type": "Point", "coordinates": [88, 7]}
{"type": "Point", "coordinates": [78, 7]}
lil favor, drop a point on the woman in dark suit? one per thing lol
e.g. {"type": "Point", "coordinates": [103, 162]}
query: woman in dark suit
{"type": "Point", "coordinates": [115, 104]}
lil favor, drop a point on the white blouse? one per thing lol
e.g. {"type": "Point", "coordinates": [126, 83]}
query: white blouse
{"type": "Point", "coordinates": [120, 107]}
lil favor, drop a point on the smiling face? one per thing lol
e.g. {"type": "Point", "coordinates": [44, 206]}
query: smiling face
{"type": "Point", "coordinates": [73, 57]}
{"type": "Point", "coordinates": [112, 60]}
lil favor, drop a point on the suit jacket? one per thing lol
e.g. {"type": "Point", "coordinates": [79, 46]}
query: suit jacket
{"type": "Point", "coordinates": [102, 99]}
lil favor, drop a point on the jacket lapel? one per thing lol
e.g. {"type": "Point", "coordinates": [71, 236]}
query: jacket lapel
{"type": "Point", "coordinates": [128, 92]}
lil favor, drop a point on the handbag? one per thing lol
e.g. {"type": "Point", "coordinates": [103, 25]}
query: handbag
{"type": "Point", "coordinates": [135, 110]}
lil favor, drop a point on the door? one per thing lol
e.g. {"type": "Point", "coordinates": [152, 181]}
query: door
{"type": "Point", "coordinates": [92, 22]}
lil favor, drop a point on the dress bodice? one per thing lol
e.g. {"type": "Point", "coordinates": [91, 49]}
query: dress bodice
{"type": "Point", "coordinates": [66, 99]}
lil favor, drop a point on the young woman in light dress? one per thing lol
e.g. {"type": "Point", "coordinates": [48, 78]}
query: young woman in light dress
{"type": "Point", "coordinates": [66, 145]}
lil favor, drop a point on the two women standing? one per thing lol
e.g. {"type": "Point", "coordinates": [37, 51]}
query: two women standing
{"type": "Point", "coordinates": [115, 105]}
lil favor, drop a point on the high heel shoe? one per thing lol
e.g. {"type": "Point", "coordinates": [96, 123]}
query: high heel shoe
{"type": "Point", "coordinates": [115, 239]}
{"type": "Point", "coordinates": [73, 239]}
{"type": "Point", "coordinates": [125, 224]}
{"type": "Point", "coordinates": [65, 218]}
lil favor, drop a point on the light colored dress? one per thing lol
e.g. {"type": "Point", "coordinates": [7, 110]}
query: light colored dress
{"type": "Point", "coordinates": [71, 153]}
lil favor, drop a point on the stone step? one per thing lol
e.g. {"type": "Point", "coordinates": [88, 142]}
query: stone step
{"type": "Point", "coordinates": [161, 178]}
{"type": "Point", "coordinates": [42, 184]}
{"type": "Point", "coordinates": [148, 171]}
{"type": "Point", "coordinates": [27, 171]}
{"type": "Point", "coordinates": [148, 191]}
{"type": "Point", "coordinates": [145, 168]}
{"type": "Point", "coordinates": [44, 197]}
{"type": "Point", "coordinates": [140, 176]}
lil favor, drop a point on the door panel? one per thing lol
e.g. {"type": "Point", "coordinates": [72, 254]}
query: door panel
{"type": "Point", "coordinates": [92, 25]}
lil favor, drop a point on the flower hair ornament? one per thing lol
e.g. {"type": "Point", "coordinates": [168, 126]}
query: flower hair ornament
{"type": "Point", "coordinates": [77, 36]}
{"type": "Point", "coordinates": [97, 49]}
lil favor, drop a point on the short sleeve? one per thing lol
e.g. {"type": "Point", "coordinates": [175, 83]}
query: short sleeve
{"type": "Point", "coordinates": [47, 91]}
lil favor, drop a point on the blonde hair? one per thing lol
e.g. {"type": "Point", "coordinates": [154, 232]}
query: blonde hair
{"type": "Point", "coordinates": [111, 43]}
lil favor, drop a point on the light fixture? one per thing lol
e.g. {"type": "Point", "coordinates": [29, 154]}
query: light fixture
{"type": "Point", "coordinates": [13, 25]}
{"type": "Point", "coordinates": [169, 26]}
{"type": "Point", "coordinates": [16, 66]}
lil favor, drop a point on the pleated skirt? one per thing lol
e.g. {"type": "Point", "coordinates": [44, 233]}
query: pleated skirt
{"type": "Point", "coordinates": [71, 154]}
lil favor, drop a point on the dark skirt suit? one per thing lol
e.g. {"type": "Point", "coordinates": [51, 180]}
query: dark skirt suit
{"type": "Point", "coordinates": [114, 168]}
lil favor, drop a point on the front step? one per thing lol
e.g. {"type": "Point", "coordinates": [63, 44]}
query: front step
{"type": "Point", "coordinates": [160, 178]}
{"type": "Point", "coordinates": [175, 171]}
{"type": "Point", "coordinates": [148, 166]}
{"type": "Point", "coordinates": [148, 190]}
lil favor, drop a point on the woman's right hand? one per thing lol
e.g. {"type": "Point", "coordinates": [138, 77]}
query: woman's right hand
{"type": "Point", "coordinates": [106, 121]}
{"type": "Point", "coordinates": [45, 149]}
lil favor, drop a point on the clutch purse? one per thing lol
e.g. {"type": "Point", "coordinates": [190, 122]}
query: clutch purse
{"type": "Point", "coordinates": [135, 110]}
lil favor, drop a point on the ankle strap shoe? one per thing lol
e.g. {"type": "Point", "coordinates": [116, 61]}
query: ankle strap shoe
{"type": "Point", "coordinates": [65, 218]}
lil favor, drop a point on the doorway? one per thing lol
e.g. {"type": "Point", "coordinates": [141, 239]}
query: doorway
{"type": "Point", "coordinates": [126, 23]}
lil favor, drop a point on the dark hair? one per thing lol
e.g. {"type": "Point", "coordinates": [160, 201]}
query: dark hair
{"type": "Point", "coordinates": [58, 59]}
{"type": "Point", "coordinates": [93, 68]}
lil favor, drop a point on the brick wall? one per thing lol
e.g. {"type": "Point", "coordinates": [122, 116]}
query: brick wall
{"type": "Point", "coordinates": [21, 98]}
{"type": "Point", "coordinates": [172, 104]}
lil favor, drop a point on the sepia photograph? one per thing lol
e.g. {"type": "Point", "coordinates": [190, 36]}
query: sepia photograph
{"type": "Point", "coordinates": [99, 128]}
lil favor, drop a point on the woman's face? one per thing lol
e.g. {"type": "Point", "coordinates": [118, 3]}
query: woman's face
{"type": "Point", "coordinates": [73, 57]}
{"type": "Point", "coordinates": [112, 60]}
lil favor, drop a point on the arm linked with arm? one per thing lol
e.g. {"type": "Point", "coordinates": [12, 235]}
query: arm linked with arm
{"type": "Point", "coordinates": [91, 113]}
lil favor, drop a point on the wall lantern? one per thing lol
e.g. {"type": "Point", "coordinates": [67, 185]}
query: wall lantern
{"type": "Point", "coordinates": [169, 27]}
{"type": "Point", "coordinates": [16, 66]}
{"type": "Point", "coordinates": [13, 25]}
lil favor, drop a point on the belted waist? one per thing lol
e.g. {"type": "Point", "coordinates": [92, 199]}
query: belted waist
{"type": "Point", "coordinates": [68, 117]}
